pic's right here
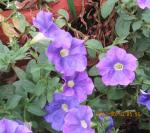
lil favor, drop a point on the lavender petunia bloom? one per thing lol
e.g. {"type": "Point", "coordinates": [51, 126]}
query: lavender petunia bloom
{"type": "Point", "coordinates": [144, 99]}
{"type": "Point", "coordinates": [78, 120]}
{"type": "Point", "coordinates": [143, 3]}
{"type": "Point", "coordinates": [10, 126]}
{"type": "Point", "coordinates": [109, 121]}
{"type": "Point", "coordinates": [79, 85]}
{"type": "Point", "coordinates": [68, 57]}
{"type": "Point", "coordinates": [118, 67]}
{"type": "Point", "coordinates": [58, 108]}
{"type": "Point", "coordinates": [45, 24]}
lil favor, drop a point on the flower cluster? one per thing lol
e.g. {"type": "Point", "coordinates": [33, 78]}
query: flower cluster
{"type": "Point", "coordinates": [10, 126]}
{"type": "Point", "coordinates": [68, 54]}
{"type": "Point", "coordinates": [65, 113]}
{"type": "Point", "coordinates": [143, 3]}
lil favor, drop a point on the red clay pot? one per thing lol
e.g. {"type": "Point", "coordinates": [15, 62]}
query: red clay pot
{"type": "Point", "coordinates": [63, 4]}
{"type": "Point", "coordinates": [29, 14]}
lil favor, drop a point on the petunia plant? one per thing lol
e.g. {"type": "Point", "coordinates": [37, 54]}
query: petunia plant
{"type": "Point", "coordinates": [88, 75]}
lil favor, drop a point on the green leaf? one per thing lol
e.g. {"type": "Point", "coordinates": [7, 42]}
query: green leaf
{"type": "Point", "coordinates": [60, 22]}
{"type": "Point", "coordinates": [64, 13]}
{"type": "Point", "coordinates": [146, 15]}
{"type": "Point", "coordinates": [107, 7]}
{"type": "Point", "coordinates": [100, 105]}
{"type": "Point", "coordinates": [20, 73]}
{"type": "Point", "coordinates": [13, 101]}
{"type": "Point", "coordinates": [40, 87]}
{"type": "Point", "coordinates": [91, 53]}
{"type": "Point", "coordinates": [24, 86]}
{"type": "Point", "coordinates": [35, 109]}
{"type": "Point", "coordinates": [146, 32]}
{"type": "Point", "coordinates": [6, 91]}
{"type": "Point", "coordinates": [42, 101]}
{"type": "Point", "coordinates": [47, 126]}
{"type": "Point", "coordinates": [3, 48]}
{"type": "Point", "coordinates": [119, 40]}
{"type": "Point", "coordinates": [93, 71]}
{"type": "Point", "coordinates": [4, 62]}
{"type": "Point", "coordinates": [145, 125]}
{"type": "Point", "coordinates": [142, 44]}
{"type": "Point", "coordinates": [36, 72]}
{"type": "Point", "coordinates": [137, 25]}
{"type": "Point", "coordinates": [72, 7]}
{"type": "Point", "coordinates": [115, 93]}
{"type": "Point", "coordinates": [53, 83]}
{"type": "Point", "coordinates": [94, 44]}
{"type": "Point", "coordinates": [122, 27]}
{"type": "Point", "coordinates": [99, 85]}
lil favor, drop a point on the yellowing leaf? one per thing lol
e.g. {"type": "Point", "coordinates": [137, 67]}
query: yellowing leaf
{"type": "Point", "coordinates": [19, 22]}
{"type": "Point", "coordinates": [2, 18]}
{"type": "Point", "coordinates": [9, 30]}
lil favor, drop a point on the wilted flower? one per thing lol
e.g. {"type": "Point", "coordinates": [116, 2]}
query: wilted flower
{"type": "Point", "coordinates": [79, 85]}
{"type": "Point", "coordinates": [39, 38]}
{"type": "Point", "coordinates": [68, 57]}
{"type": "Point", "coordinates": [10, 126]}
{"type": "Point", "coordinates": [144, 99]}
{"type": "Point", "coordinates": [143, 3]}
{"type": "Point", "coordinates": [118, 67]}
{"type": "Point", "coordinates": [45, 24]}
{"type": "Point", "coordinates": [109, 121]}
{"type": "Point", "coordinates": [58, 108]}
{"type": "Point", "coordinates": [78, 120]}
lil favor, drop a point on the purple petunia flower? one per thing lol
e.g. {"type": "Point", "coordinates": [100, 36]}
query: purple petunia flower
{"type": "Point", "coordinates": [10, 126]}
{"type": "Point", "coordinates": [45, 24]}
{"type": "Point", "coordinates": [58, 108]}
{"type": "Point", "coordinates": [68, 57]}
{"type": "Point", "coordinates": [144, 99]}
{"type": "Point", "coordinates": [78, 120]}
{"type": "Point", "coordinates": [79, 85]}
{"type": "Point", "coordinates": [118, 67]}
{"type": "Point", "coordinates": [109, 121]}
{"type": "Point", "coordinates": [143, 3]}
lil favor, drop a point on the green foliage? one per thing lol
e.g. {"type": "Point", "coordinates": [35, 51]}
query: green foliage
{"type": "Point", "coordinates": [93, 46]}
{"type": "Point", "coordinates": [93, 71]}
{"type": "Point", "coordinates": [26, 97]}
{"type": "Point", "coordinates": [122, 27]}
{"type": "Point", "coordinates": [107, 8]}
{"type": "Point", "coordinates": [64, 14]}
